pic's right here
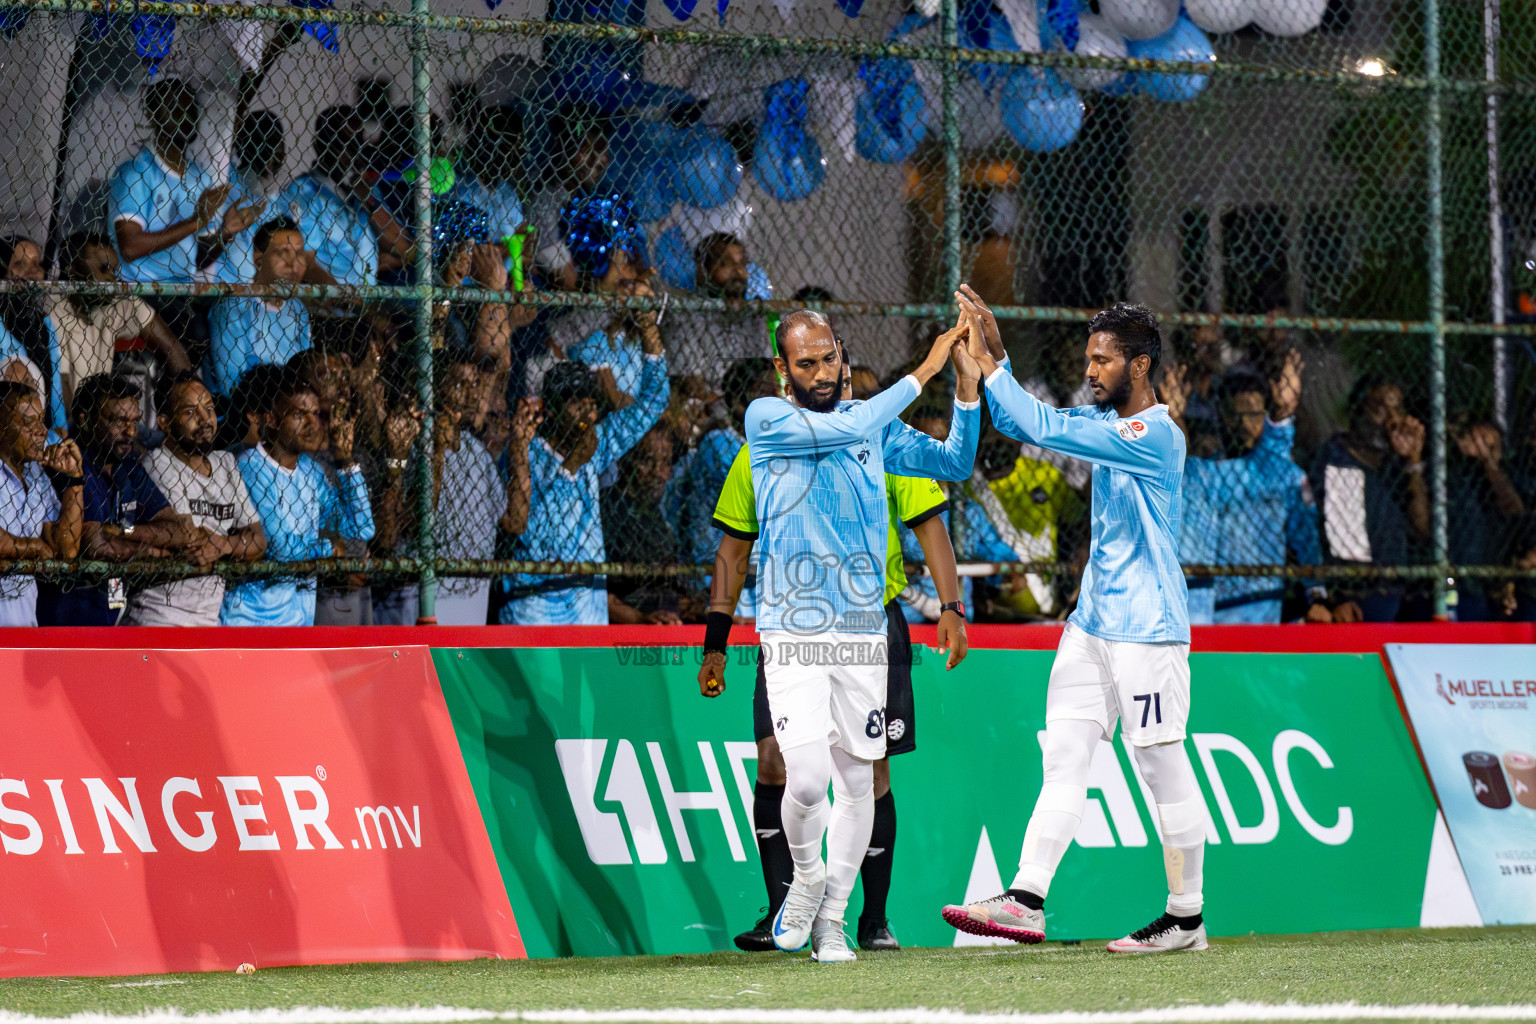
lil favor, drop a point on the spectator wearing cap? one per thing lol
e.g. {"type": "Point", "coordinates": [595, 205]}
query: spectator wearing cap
{"type": "Point", "coordinates": [203, 486]}
{"type": "Point", "coordinates": [125, 515]}
{"type": "Point", "coordinates": [25, 330]}
{"type": "Point", "coordinates": [297, 504]}
{"type": "Point", "coordinates": [88, 327]}
{"type": "Point", "coordinates": [36, 521]}
{"type": "Point", "coordinates": [1370, 490]}
{"type": "Point", "coordinates": [492, 155]}
{"type": "Point", "coordinates": [246, 330]}
{"type": "Point", "coordinates": [575, 444]}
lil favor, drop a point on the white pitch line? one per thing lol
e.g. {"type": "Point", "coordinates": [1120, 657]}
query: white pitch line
{"type": "Point", "coordinates": [1239, 1012]}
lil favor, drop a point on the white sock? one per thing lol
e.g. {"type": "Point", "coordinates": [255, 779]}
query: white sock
{"type": "Point", "coordinates": [807, 770]}
{"type": "Point", "coordinates": [1166, 769]}
{"type": "Point", "coordinates": [1067, 756]}
{"type": "Point", "coordinates": [853, 819]}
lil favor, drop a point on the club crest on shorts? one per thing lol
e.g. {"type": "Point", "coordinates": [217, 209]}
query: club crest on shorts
{"type": "Point", "coordinates": [1131, 430]}
{"type": "Point", "coordinates": [895, 729]}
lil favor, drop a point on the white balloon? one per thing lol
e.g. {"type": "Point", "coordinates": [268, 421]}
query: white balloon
{"type": "Point", "coordinates": [1095, 38]}
{"type": "Point", "coordinates": [1288, 17]}
{"type": "Point", "coordinates": [1023, 17]}
{"type": "Point", "coordinates": [1222, 16]}
{"type": "Point", "coordinates": [1140, 19]}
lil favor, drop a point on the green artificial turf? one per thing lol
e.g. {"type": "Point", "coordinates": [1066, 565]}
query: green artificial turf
{"type": "Point", "coordinates": [1462, 966]}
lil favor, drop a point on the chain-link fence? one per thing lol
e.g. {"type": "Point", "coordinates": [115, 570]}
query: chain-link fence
{"type": "Point", "coordinates": [259, 369]}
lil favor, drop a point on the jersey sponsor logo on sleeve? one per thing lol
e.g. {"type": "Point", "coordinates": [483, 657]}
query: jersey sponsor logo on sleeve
{"type": "Point", "coordinates": [1131, 430]}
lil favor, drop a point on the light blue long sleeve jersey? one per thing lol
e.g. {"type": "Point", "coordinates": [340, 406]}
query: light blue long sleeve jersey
{"type": "Point", "coordinates": [823, 520]}
{"type": "Point", "coordinates": [1132, 588]}
{"type": "Point", "coordinates": [246, 332]}
{"type": "Point", "coordinates": [565, 522]}
{"type": "Point", "coordinates": [295, 506]}
{"type": "Point", "coordinates": [1247, 511]}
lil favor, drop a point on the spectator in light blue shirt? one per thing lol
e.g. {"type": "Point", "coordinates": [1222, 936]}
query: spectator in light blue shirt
{"type": "Point", "coordinates": [169, 214]}
{"type": "Point", "coordinates": [565, 461]}
{"type": "Point", "coordinates": [247, 330]}
{"type": "Point", "coordinates": [492, 155]}
{"type": "Point", "coordinates": [259, 156]}
{"type": "Point", "coordinates": [304, 515]}
{"type": "Point", "coordinates": [34, 521]}
{"type": "Point", "coordinates": [335, 209]}
{"type": "Point", "coordinates": [22, 314]}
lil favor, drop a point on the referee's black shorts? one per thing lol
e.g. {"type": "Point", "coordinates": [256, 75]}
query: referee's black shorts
{"type": "Point", "coordinates": [900, 709]}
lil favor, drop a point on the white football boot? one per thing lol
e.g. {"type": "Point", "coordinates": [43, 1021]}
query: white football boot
{"type": "Point", "coordinates": [999, 917]}
{"type": "Point", "coordinates": [1164, 935]}
{"type": "Point", "coordinates": [792, 924]}
{"type": "Point", "coordinates": [829, 944]}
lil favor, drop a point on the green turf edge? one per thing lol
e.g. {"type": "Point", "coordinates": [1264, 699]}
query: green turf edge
{"type": "Point", "coordinates": [1473, 966]}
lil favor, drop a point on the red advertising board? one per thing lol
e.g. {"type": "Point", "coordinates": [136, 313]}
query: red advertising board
{"type": "Point", "coordinates": [195, 810]}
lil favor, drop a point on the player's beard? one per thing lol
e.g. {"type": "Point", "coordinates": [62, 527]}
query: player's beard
{"type": "Point", "coordinates": [1118, 397]}
{"type": "Point", "coordinates": [810, 401]}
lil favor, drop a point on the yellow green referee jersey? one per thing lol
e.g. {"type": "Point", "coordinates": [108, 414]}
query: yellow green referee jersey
{"type": "Point", "coordinates": [911, 500]}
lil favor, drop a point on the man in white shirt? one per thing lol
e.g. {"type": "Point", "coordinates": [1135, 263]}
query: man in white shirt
{"type": "Point", "coordinates": [35, 522]}
{"type": "Point", "coordinates": [206, 486]}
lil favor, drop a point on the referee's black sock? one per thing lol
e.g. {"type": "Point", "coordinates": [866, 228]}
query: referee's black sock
{"type": "Point", "coordinates": [772, 846]}
{"type": "Point", "coordinates": [876, 869]}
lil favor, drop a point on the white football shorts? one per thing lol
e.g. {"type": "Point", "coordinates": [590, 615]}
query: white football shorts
{"type": "Point", "coordinates": [1145, 686]}
{"type": "Point", "coordinates": [827, 688]}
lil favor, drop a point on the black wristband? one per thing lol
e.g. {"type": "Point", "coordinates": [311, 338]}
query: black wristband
{"type": "Point", "coordinates": [717, 631]}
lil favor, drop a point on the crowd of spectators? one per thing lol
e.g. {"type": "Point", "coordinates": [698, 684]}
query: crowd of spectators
{"type": "Point", "coordinates": [253, 426]}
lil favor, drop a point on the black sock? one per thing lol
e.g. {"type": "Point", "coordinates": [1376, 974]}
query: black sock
{"type": "Point", "coordinates": [1034, 901]}
{"type": "Point", "coordinates": [876, 869]}
{"type": "Point", "coordinates": [1190, 923]}
{"type": "Point", "coordinates": [772, 845]}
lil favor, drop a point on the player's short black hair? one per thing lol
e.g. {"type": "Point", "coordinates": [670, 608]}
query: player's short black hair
{"type": "Point", "coordinates": [99, 389]}
{"type": "Point", "coordinates": [741, 379]}
{"type": "Point", "coordinates": [12, 391]}
{"type": "Point", "coordinates": [264, 233]}
{"type": "Point", "coordinates": [1240, 380]}
{"type": "Point", "coordinates": [166, 386]}
{"type": "Point", "coordinates": [569, 382]}
{"type": "Point", "coordinates": [798, 318]}
{"type": "Point", "coordinates": [289, 384]}
{"type": "Point", "coordinates": [1136, 331]}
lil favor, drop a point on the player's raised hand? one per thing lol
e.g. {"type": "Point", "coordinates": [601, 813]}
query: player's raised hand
{"type": "Point", "coordinates": [977, 345]}
{"type": "Point", "coordinates": [982, 314]}
{"type": "Point", "coordinates": [966, 366]}
{"type": "Point", "coordinates": [712, 674]}
{"type": "Point", "coordinates": [950, 637]}
{"type": "Point", "coordinates": [938, 355]}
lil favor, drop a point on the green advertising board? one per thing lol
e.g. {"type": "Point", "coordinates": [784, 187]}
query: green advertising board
{"type": "Point", "coordinates": [619, 800]}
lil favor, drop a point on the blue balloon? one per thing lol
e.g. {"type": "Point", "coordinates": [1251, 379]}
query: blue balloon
{"type": "Point", "coordinates": [983, 27]}
{"type": "Point", "coordinates": [641, 166]}
{"type": "Point", "coordinates": [788, 160]}
{"type": "Point", "coordinates": [890, 116]}
{"type": "Point", "coordinates": [1185, 41]}
{"type": "Point", "coordinates": [1040, 111]}
{"type": "Point", "coordinates": [674, 259]}
{"type": "Point", "coordinates": [707, 172]}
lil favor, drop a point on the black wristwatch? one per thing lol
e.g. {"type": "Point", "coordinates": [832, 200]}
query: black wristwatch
{"type": "Point", "coordinates": [958, 607]}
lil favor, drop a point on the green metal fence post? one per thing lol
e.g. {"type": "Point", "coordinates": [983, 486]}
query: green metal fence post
{"type": "Point", "coordinates": [425, 490]}
{"type": "Point", "coordinates": [1436, 254]}
{"type": "Point", "coordinates": [950, 25]}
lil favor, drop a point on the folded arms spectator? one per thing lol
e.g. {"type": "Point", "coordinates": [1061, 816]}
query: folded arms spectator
{"type": "Point", "coordinates": [36, 520]}
{"type": "Point", "coordinates": [205, 487]}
